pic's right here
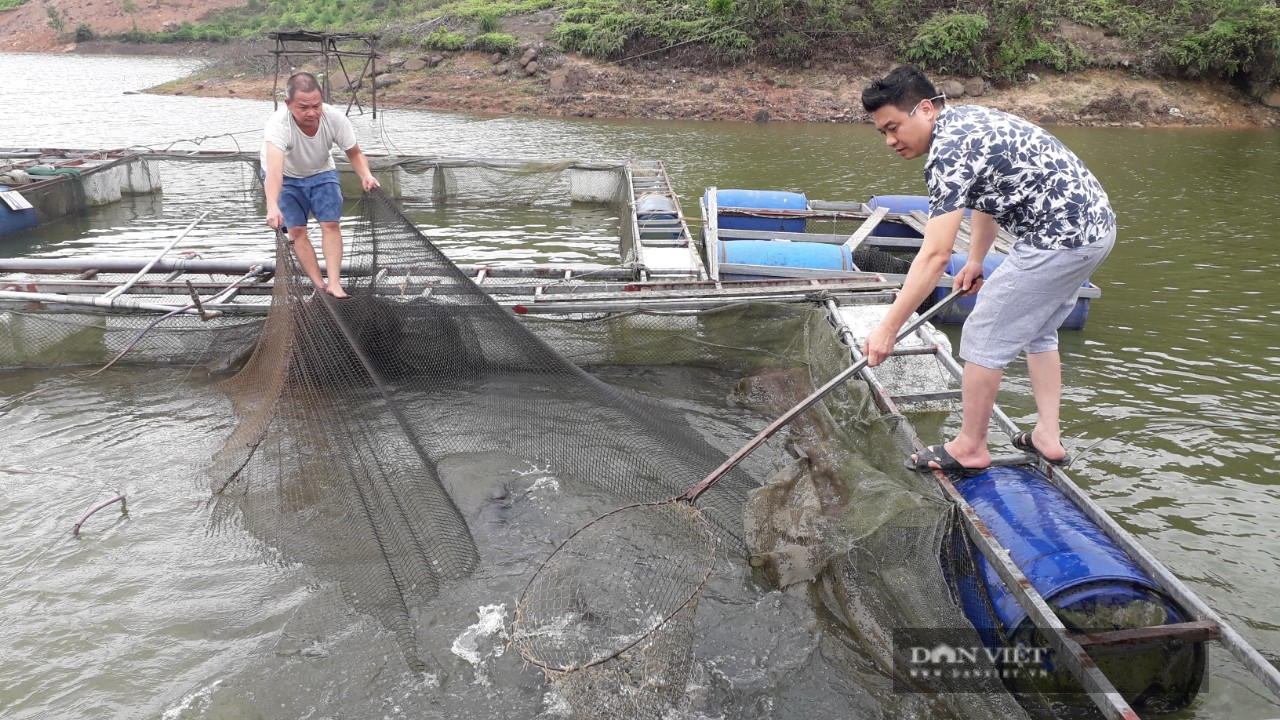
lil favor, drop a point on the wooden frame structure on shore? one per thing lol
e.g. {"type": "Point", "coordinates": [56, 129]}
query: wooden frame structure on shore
{"type": "Point", "coordinates": [307, 43]}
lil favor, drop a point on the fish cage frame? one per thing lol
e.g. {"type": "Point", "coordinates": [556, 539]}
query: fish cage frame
{"type": "Point", "coordinates": [309, 43]}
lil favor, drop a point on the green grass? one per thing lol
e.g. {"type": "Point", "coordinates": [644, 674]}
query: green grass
{"type": "Point", "coordinates": [1237, 40]}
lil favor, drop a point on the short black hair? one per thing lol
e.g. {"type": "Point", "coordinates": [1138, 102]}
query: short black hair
{"type": "Point", "coordinates": [902, 88]}
{"type": "Point", "coordinates": [300, 82]}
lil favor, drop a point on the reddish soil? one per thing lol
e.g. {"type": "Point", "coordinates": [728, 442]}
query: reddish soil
{"type": "Point", "coordinates": [659, 85]}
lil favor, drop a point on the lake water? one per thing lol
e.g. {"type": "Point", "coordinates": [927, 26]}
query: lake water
{"type": "Point", "coordinates": [1169, 400]}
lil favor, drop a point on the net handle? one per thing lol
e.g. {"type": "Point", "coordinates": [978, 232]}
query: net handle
{"type": "Point", "coordinates": [810, 401]}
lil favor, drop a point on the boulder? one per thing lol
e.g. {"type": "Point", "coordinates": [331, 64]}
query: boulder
{"type": "Point", "coordinates": [529, 56]}
{"type": "Point", "coordinates": [559, 80]}
{"type": "Point", "coordinates": [415, 64]}
{"type": "Point", "coordinates": [951, 89]}
{"type": "Point", "coordinates": [1272, 99]}
{"type": "Point", "coordinates": [975, 87]}
{"type": "Point", "coordinates": [495, 58]}
{"type": "Point", "coordinates": [386, 80]}
{"type": "Point", "coordinates": [435, 60]}
{"type": "Point", "coordinates": [531, 68]}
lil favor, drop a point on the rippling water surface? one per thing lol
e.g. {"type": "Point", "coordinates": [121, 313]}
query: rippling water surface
{"type": "Point", "coordinates": [1169, 401]}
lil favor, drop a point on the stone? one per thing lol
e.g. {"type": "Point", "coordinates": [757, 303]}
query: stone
{"type": "Point", "coordinates": [1272, 99]}
{"type": "Point", "coordinates": [495, 58]}
{"type": "Point", "coordinates": [435, 60]}
{"type": "Point", "coordinates": [559, 80]}
{"type": "Point", "coordinates": [415, 64]}
{"type": "Point", "coordinates": [531, 68]}
{"type": "Point", "coordinates": [975, 87]}
{"type": "Point", "coordinates": [386, 80]}
{"type": "Point", "coordinates": [529, 56]}
{"type": "Point", "coordinates": [951, 89]}
{"type": "Point", "coordinates": [501, 70]}
{"type": "Point", "coordinates": [762, 116]}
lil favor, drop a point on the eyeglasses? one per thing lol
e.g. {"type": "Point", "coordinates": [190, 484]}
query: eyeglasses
{"type": "Point", "coordinates": [932, 99]}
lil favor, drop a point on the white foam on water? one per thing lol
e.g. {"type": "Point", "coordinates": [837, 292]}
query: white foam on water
{"type": "Point", "coordinates": [487, 638]}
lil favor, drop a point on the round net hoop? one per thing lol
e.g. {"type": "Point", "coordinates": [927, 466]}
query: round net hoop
{"type": "Point", "coordinates": [627, 583]}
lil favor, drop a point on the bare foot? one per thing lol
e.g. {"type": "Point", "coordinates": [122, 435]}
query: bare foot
{"type": "Point", "coordinates": [337, 292]}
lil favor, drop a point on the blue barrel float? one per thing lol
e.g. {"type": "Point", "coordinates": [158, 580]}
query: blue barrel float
{"type": "Point", "coordinates": [956, 313]}
{"type": "Point", "coordinates": [1086, 579]}
{"type": "Point", "coordinates": [822, 256]}
{"type": "Point", "coordinates": [15, 220]}
{"type": "Point", "coordinates": [758, 200]}
{"type": "Point", "coordinates": [898, 205]}
{"type": "Point", "coordinates": [660, 209]}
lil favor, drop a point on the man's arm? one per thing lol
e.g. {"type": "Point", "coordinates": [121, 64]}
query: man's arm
{"type": "Point", "coordinates": [272, 184]}
{"type": "Point", "coordinates": [922, 278]}
{"type": "Point", "coordinates": [360, 164]}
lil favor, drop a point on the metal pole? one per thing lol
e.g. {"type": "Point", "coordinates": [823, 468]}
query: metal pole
{"type": "Point", "coordinates": [147, 268]}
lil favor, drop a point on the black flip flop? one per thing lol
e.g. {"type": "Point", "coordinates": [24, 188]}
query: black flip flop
{"type": "Point", "coordinates": [947, 464]}
{"type": "Point", "coordinates": [1022, 441]}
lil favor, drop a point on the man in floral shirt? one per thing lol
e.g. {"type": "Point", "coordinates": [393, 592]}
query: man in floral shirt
{"type": "Point", "coordinates": [1007, 173]}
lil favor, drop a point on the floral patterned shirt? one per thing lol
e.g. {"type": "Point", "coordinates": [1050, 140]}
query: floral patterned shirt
{"type": "Point", "coordinates": [1019, 174]}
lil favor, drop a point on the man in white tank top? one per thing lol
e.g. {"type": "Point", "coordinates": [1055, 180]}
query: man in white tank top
{"type": "Point", "coordinates": [300, 177]}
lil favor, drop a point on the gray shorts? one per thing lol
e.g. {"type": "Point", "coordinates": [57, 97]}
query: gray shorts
{"type": "Point", "coordinates": [1025, 300]}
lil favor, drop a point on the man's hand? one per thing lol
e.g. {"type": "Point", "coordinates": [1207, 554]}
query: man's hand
{"type": "Point", "coordinates": [370, 183]}
{"type": "Point", "coordinates": [879, 344]}
{"type": "Point", "coordinates": [969, 278]}
{"type": "Point", "coordinates": [275, 218]}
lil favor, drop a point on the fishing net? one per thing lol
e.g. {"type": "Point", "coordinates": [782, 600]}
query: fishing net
{"type": "Point", "coordinates": [347, 407]}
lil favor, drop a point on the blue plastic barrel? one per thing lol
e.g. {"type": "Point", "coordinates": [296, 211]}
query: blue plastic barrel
{"type": "Point", "coordinates": [898, 205]}
{"type": "Point", "coordinates": [823, 256]}
{"type": "Point", "coordinates": [1085, 578]}
{"type": "Point", "coordinates": [12, 221]}
{"type": "Point", "coordinates": [758, 200]}
{"type": "Point", "coordinates": [660, 210]}
{"type": "Point", "coordinates": [956, 312]}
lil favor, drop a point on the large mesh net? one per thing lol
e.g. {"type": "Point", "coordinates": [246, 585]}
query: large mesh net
{"type": "Point", "coordinates": [347, 406]}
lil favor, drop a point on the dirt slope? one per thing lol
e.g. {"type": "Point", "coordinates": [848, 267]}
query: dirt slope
{"type": "Point", "coordinates": [27, 27]}
{"type": "Point", "coordinates": [680, 85]}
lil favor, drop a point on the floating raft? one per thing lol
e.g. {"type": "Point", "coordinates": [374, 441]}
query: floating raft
{"type": "Point", "coordinates": [37, 186]}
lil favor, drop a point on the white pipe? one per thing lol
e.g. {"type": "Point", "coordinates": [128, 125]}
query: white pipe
{"type": "Point", "coordinates": [101, 301]}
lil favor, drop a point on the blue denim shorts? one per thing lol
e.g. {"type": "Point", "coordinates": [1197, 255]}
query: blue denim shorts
{"type": "Point", "coordinates": [319, 194]}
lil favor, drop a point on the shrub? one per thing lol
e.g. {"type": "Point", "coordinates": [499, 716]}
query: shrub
{"type": "Point", "coordinates": [791, 46]}
{"type": "Point", "coordinates": [56, 19]}
{"type": "Point", "coordinates": [495, 42]}
{"type": "Point", "coordinates": [722, 8]}
{"type": "Point", "coordinates": [442, 39]}
{"type": "Point", "coordinates": [84, 33]}
{"type": "Point", "coordinates": [601, 40]}
{"type": "Point", "coordinates": [948, 41]}
{"type": "Point", "coordinates": [488, 21]}
{"type": "Point", "coordinates": [733, 44]}
{"type": "Point", "coordinates": [1244, 47]}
